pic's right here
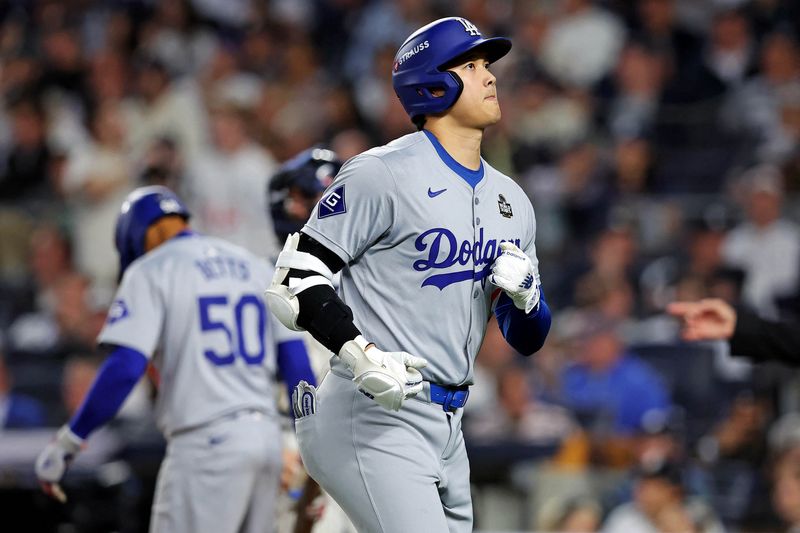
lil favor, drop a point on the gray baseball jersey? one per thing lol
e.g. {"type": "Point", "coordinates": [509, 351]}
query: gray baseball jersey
{"type": "Point", "coordinates": [419, 242]}
{"type": "Point", "coordinates": [196, 303]}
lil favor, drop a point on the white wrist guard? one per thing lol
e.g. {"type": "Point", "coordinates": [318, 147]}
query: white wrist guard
{"type": "Point", "coordinates": [52, 462]}
{"type": "Point", "coordinates": [69, 441]}
{"type": "Point", "coordinates": [282, 299]}
{"type": "Point", "coordinates": [389, 378]}
{"type": "Point", "coordinates": [353, 351]}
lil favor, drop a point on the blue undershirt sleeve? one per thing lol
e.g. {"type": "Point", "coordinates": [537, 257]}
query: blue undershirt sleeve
{"type": "Point", "coordinates": [293, 364]}
{"type": "Point", "coordinates": [116, 378]}
{"type": "Point", "coordinates": [525, 333]}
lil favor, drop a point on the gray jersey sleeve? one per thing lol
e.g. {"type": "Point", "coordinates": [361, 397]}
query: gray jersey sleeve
{"type": "Point", "coordinates": [137, 314]}
{"type": "Point", "coordinates": [356, 210]}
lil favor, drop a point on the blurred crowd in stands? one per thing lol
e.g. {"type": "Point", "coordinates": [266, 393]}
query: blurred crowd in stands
{"type": "Point", "coordinates": [659, 141]}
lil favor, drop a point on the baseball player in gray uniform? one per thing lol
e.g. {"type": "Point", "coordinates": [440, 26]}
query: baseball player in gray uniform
{"type": "Point", "coordinates": [430, 241]}
{"type": "Point", "coordinates": [192, 307]}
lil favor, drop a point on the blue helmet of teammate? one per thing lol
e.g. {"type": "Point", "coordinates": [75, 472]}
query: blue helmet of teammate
{"type": "Point", "coordinates": [418, 65]}
{"type": "Point", "coordinates": [297, 185]}
{"type": "Point", "coordinates": [141, 209]}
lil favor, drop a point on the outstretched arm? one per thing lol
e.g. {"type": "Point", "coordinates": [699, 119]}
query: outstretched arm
{"type": "Point", "coordinates": [749, 335]}
{"type": "Point", "coordinates": [119, 374]}
{"type": "Point", "coordinates": [708, 319]}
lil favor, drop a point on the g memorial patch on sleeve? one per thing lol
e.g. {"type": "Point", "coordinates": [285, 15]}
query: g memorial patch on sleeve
{"type": "Point", "coordinates": [332, 203]}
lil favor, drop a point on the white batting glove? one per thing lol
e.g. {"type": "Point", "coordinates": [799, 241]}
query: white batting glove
{"type": "Point", "coordinates": [389, 378]}
{"type": "Point", "coordinates": [514, 272]}
{"type": "Point", "coordinates": [54, 460]}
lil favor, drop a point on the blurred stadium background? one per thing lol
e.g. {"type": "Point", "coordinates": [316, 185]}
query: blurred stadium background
{"type": "Point", "coordinates": [658, 139]}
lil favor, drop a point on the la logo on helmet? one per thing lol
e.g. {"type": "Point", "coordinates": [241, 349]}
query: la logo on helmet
{"type": "Point", "coordinates": [169, 205]}
{"type": "Point", "coordinates": [469, 27]}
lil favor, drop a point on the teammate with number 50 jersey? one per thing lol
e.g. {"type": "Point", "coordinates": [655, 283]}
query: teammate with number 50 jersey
{"type": "Point", "coordinates": [192, 306]}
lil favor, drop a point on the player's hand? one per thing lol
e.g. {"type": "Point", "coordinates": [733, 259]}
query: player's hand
{"type": "Point", "coordinates": [54, 460]}
{"type": "Point", "coordinates": [514, 272]}
{"type": "Point", "coordinates": [708, 319]}
{"type": "Point", "coordinates": [389, 378]}
{"type": "Point", "coordinates": [292, 468]}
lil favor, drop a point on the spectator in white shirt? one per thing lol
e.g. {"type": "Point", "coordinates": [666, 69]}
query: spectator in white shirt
{"type": "Point", "coordinates": [226, 185]}
{"type": "Point", "coordinates": [582, 46]}
{"type": "Point", "coordinates": [97, 178]}
{"type": "Point", "coordinates": [766, 246]}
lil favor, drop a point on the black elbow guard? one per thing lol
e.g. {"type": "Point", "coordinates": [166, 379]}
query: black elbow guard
{"type": "Point", "coordinates": [326, 317]}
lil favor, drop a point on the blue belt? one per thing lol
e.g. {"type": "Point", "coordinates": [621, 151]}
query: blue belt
{"type": "Point", "coordinates": [450, 398]}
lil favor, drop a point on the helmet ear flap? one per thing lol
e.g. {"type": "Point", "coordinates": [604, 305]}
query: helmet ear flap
{"type": "Point", "coordinates": [418, 98]}
{"type": "Point", "coordinates": [125, 259]}
{"type": "Point", "coordinates": [429, 92]}
{"type": "Point", "coordinates": [453, 87]}
{"type": "Point", "coordinates": [459, 85]}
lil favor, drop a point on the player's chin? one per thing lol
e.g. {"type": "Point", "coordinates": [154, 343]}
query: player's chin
{"type": "Point", "coordinates": [491, 108]}
{"type": "Point", "coordinates": [490, 119]}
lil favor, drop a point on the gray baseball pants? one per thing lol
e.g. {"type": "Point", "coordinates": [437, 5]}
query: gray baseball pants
{"type": "Point", "coordinates": [391, 472]}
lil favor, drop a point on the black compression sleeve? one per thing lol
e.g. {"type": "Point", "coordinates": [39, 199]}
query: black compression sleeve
{"type": "Point", "coordinates": [322, 313]}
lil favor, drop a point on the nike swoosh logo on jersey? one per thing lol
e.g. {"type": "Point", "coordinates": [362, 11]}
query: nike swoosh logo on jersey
{"type": "Point", "coordinates": [434, 194]}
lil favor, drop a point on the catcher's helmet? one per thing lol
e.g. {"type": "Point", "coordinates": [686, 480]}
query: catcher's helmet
{"type": "Point", "coordinates": [309, 173]}
{"type": "Point", "coordinates": [418, 64]}
{"type": "Point", "coordinates": [141, 208]}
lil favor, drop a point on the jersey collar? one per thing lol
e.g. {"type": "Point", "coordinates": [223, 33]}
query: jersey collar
{"type": "Point", "coordinates": [472, 177]}
{"type": "Point", "coordinates": [185, 233]}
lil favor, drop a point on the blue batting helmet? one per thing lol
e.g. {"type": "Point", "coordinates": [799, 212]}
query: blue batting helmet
{"type": "Point", "coordinates": [418, 64]}
{"type": "Point", "coordinates": [309, 173]}
{"type": "Point", "coordinates": [142, 208]}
